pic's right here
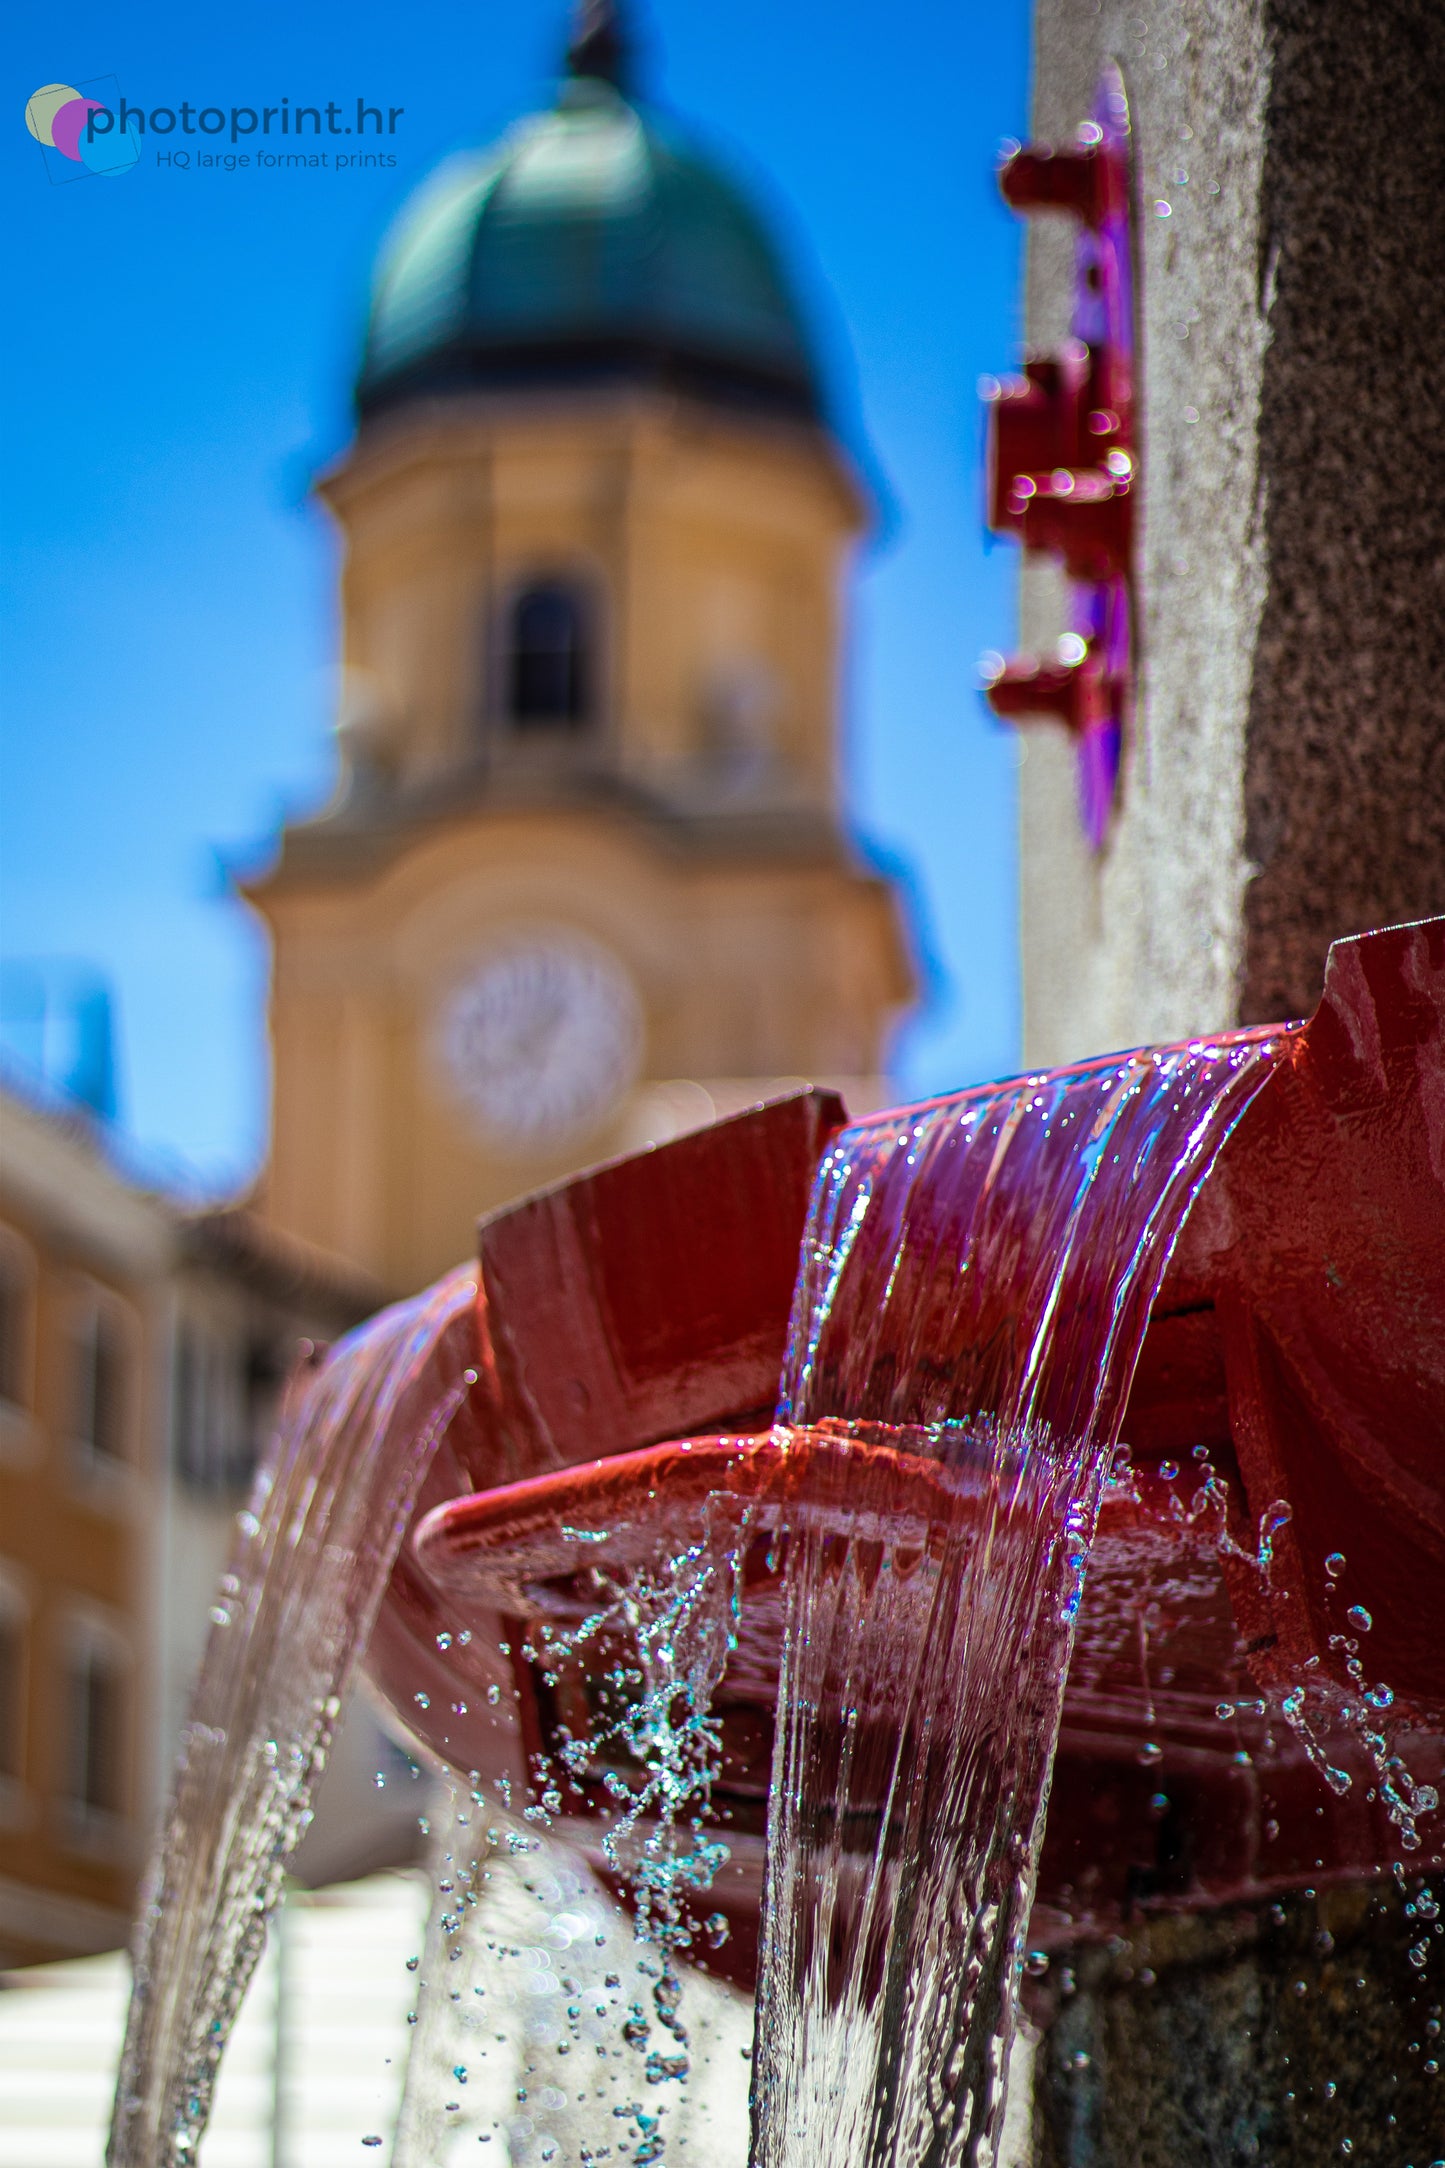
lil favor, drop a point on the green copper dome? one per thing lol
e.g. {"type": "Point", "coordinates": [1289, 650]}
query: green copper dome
{"type": "Point", "coordinates": [593, 244]}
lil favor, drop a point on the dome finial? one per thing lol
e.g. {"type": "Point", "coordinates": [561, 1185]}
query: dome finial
{"type": "Point", "coordinates": [600, 45]}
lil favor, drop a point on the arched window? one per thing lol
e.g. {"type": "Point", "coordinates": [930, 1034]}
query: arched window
{"type": "Point", "coordinates": [549, 668]}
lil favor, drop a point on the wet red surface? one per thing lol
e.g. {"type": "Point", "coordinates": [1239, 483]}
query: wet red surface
{"type": "Point", "coordinates": [1296, 1349]}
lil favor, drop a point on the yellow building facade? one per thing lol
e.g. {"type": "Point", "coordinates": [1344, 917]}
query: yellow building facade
{"type": "Point", "coordinates": [584, 881]}
{"type": "Point", "coordinates": [83, 1263]}
{"type": "Point", "coordinates": [143, 1347]}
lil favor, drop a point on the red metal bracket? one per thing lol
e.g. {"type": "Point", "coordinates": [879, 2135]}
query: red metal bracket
{"type": "Point", "coordinates": [1063, 454]}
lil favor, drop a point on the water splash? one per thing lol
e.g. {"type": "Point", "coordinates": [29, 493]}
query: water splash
{"type": "Point", "coordinates": [976, 1283]}
{"type": "Point", "coordinates": [529, 1973]}
{"type": "Point", "coordinates": [312, 1557]}
{"type": "Point", "coordinates": [638, 1675]}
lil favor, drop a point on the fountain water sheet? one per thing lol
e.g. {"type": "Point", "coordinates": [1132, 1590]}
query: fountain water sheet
{"type": "Point", "coordinates": [312, 1558]}
{"type": "Point", "coordinates": [976, 1282]}
{"type": "Point", "coordinates": [975, 1285]}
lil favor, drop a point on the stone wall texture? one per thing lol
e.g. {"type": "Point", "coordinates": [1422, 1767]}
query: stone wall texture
{"type": "Point", "coordinates": [1284, 785]}
{"type": "Point", "coordinates": [1295, 2036]}
{"type": "Point", "coordinates": [1285, 778]}
{"type": "Point", "coordinates": [1344, 788]}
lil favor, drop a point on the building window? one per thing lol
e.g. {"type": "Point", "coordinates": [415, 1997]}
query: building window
{"type": "Point", "coordinates": [267, 1367]}
{"type": "Point", "coordinates": [100, 1385]}
{"type": "Point", "coordinates": [13, 1625]}
{"type": "Point", "coordinates": [549, 667]}
{"type": "Point", "coordinates": [17, 1281]}
{"type": "Point", "coordinates": [95, 1728]}
{"type": "Point", "coordinates": [224, 1401]}
{"type": "Point", "coordinates": [191, 1410]}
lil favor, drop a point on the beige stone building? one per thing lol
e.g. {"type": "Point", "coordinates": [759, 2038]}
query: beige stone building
{"type": "Point", "coordinates": [584, 882]}
{"type": "Point", "coordinates": [142, 1350]}
{"type": "Point", "coordinates": [84, 1257]}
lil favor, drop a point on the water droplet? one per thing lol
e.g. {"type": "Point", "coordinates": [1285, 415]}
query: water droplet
{"type": "Point", "coordinates": [423, 1701]}
{"type": "Point", "coordinates": [444, 1641]}
{"type": "Point", "coordinates": [1150, 1753]}
{"type": "Point", "coordinates": [1335, 1564]}
{"type": "Point", "coordinates": [1277, 1516]}
{"type": "Point", "coordinates": [1036, 1964]}
{"type": "Point", "coordinates": [1163, 209]}
{"type": "Point", "coordinates": [1359, 1617]}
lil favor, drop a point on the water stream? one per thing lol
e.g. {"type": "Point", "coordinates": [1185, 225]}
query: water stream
{"type": "Point", "coordinates": [976, 1283]}
{"type": "Point", "coordinates": [311, 1560]}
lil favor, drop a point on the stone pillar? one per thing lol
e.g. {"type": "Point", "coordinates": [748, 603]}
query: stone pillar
{"type": "Point", "coordinates": [1284, 784]}
{"type": "Point", "coordinates": [1285, 779]}
{"type": "Point", "coordinates": [1298, 2035]}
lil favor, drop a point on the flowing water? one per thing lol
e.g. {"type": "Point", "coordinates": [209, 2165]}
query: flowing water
{"type": "Point", "coordinates": [976, 1282]}
{"type": "Point", "coordinates": [529, 1989]}
{"type": "Point", "coordinates": [312, 1557]}
{"type": "Point", "coordinates": [643, 1667]}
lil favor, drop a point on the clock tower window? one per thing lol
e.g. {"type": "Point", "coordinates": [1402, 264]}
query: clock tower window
{"type": "Point", "coordinates": [550, 664]}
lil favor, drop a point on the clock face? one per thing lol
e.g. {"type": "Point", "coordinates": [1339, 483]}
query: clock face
{"type": "Point", "coordinates": [541, 1039]}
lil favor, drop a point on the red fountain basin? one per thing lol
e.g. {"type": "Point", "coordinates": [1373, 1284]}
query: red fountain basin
{"type": "Point", "coordinates": [519, 1548]}
{"type": "Point", "coordinates": [1297, 1343]}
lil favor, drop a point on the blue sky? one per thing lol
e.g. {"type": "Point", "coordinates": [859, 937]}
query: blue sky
{"type": "Point", "coordinates": [177, 366]}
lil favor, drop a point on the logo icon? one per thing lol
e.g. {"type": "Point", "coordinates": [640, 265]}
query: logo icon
{"type": "Point", "coordinates": [73, 145]}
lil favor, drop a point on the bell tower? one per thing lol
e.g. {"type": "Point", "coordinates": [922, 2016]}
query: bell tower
{"type": "Point", "coordinates": [583, 882]}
